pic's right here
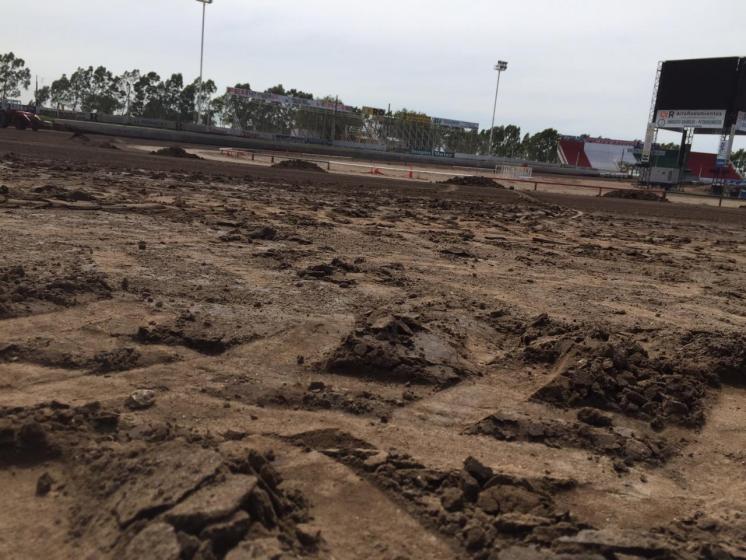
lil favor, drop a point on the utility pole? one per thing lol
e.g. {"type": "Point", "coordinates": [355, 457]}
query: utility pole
{"type": "Point", "coordinates": [334, 119]}
{"type": "Point", "coordinates": [198, 100]}
{"type": "Point", "coordinates": [501, 66]}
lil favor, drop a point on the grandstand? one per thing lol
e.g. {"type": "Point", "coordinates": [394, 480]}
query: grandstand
{"type": "Point", "coordinates": [621, 156]}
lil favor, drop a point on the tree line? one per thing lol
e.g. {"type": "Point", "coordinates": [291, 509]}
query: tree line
{"type": "Point", "coordinates": [148, 95]}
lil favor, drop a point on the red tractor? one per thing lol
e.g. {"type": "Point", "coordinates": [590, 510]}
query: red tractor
{"type": "Point", "coordinates": [20, 116]}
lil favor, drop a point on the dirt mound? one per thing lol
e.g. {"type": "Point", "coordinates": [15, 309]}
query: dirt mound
{"type": "Point", "coordinates": [298, 164]}
{"type": "Point", "coordinates": [152, 490]}
{"type": "Point", "coordinates": [399, 348]}
{"type": "Point", "coordinates": [315, 396]}
{"type": "Point", "coordinates": [613, 372]}
{"type": "Point", "coordinates": [472, 181]}
{"type": "Point", "coordinates": [207, 335]}
{"type": "Point", "coordinates": [49, 353]}
{"type": "Point", "coordinates": [335, 272]}
{"type": "Point", "coordinates": [618, 443]}
{"type": "Point", "coordinates": [78, 136]}
{"type": "Point", "coordinates": [23, 293]}
{"type": "Point", "coordinates": [629, 194]}
{"type": "Point", "coordinates": [176, 152]}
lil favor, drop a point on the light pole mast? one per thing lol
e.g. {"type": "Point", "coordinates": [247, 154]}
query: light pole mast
{"type": "Point", "coordinates": [198, 100]}
{"type": "Point", "coordinates": [501, 66]}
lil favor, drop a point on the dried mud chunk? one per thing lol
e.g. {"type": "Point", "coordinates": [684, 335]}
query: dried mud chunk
{"type": "Point", "coordinates": [227, 534]}
{"type": "Point", "coordinates": [157, 541]}
{"type": "Point", "coordinates": [259, 549]}
{"type": "Point", "coordinates": [616, 442]}
{"type": "Point", "coordinates": [265, 233]}
{"type": "Point", "coordinates": [140, 399]}
{"type": "Point", "coordinates": [480, 472]}
{"type": "Point", "coordinates": [177, 469]}
{"type": "Point", "coordinates": [516, 522]}
{"type": "Point", "coordinates": [211, 503]}
{"type": "Point", "coordinates": [527, 553]}
{"type": "Point", "coordinates": [452, 499]}
{"type": "Point", "coordinates": [44, 484]}
{"type": "Point", "coordinates": [594, 417]}
{"type": "Point", "coordinates": [619, 376]}
{"type": "Point", "coordinates": [261, 509]}
{"type": "Point", "coordinates": [120, 359]}
{"type": "Point", "coordinates": [619, 541]}
{"type": "Point", "coordinates": [198, 337]}
{"type": "Point", "coordinates": [398, 348]}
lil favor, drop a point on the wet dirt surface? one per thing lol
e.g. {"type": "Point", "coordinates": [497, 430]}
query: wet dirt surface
{"type": "Point", "coordinates": [200, 360]}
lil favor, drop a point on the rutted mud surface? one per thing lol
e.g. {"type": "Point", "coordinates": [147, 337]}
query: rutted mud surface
{"type": "Point", "coordinates": [155, 490]}
{"type": "Point", "coordinates": [488, 514]}
{"type": "Point", "coordinates": [200, 359]}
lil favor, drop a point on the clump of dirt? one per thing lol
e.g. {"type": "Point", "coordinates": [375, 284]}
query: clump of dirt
{"type": "Point", "coordinates": [156, 490]}
{"type": "Point", "coordinates": [315, 396]}
{"type": "Point", "coordinates": [472, 181]}
{"type": "Point", "coordinates": [335, 272]}
{"type": "Point", "coordinates": [78, 136]}
{"type": "Point", "coordinates": [120, 359]}
{"type": "Point", "coordinates": [298, 164]}
{"type": "Point", "coordinates": [108, 145]}
{"type": "Point", "coordinates": [176, 152]}
{"type": "Point", "coordinates": [47, 353]}
{"type": "Point", "coordinates": [250, 234]}
{"type": "Point", "coordinates": [630, 194]}
{"type": "Point", "coordinates": [618, 443]}
{"type": "Point", "coordinates": [206, 335]}
{"type": "Point", "coordinates": [399, 348]}
{"type": "Point", "coordinates": [23, 293]}
{"type": "Point", "coordinates": [613, 372]}
{"type": "Point", "coordinates": [60, 193]}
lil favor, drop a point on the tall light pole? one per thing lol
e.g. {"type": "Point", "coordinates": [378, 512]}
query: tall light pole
{"type": "Point", "coordinates": [501, 66]}
{"type": "Point", "coordinates": [198, 101]}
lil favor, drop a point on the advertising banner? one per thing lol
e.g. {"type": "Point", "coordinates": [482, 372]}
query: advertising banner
{"type": "Point", "coordinates": [443, 153]}
{"type": "Point", "coordinates": [725, 149]}
{"type": "Point", "coordinates": [375, 111]}
{"type": "Point", "coordinates": [451, 123]}
{"type": "Point", "coordinates": [691, 119]}
{"type": "Point", "coordinates": [648, 147]}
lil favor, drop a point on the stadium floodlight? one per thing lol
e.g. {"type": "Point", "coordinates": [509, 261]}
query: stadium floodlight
{"type": "Point", "coordinates": [501, 66]}
{"type": "Point", "coordinates": [198, 100]}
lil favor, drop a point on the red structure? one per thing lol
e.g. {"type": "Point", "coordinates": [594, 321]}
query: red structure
{"type": "Point", "coordinates": [702, 165]}
{"type": "Point", "coordinates": [572, 152]}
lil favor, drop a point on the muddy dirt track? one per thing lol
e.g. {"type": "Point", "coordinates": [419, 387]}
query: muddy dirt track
{"type": "Point", "coordinates": [204, 360]}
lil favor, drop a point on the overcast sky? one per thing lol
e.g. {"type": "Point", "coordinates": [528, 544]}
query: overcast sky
{"type": "Point", "coordinates": [581, 66]}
